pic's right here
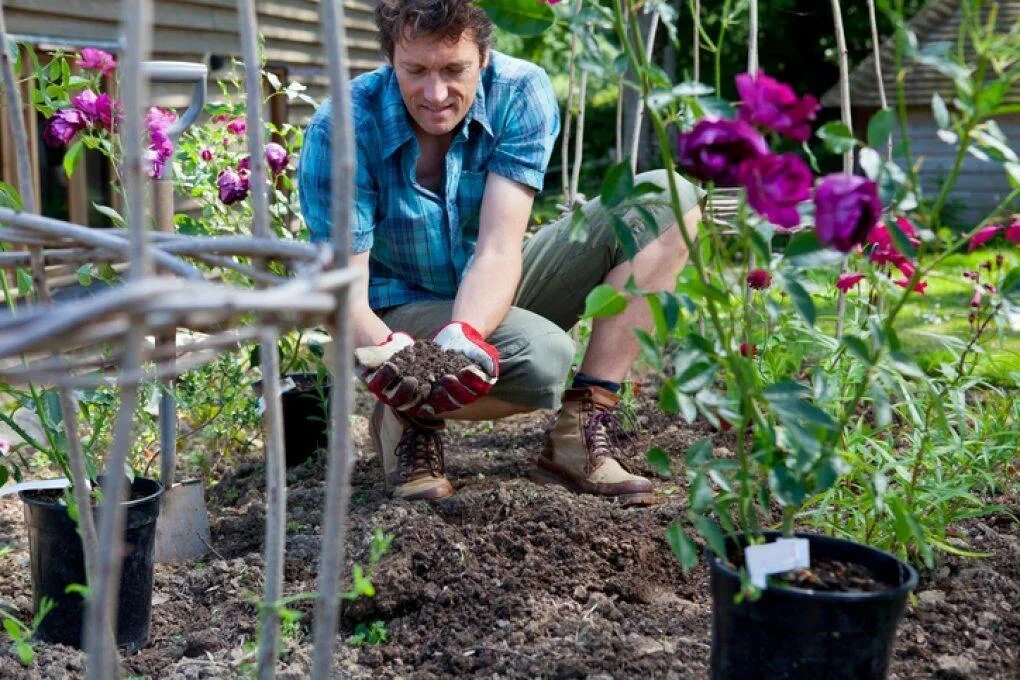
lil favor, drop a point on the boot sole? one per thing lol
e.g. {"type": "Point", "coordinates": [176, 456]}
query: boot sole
{"type": "Point", "coordinates": [626, 500]}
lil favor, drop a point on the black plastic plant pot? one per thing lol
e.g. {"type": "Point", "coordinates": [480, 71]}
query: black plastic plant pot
{"type": "Point", "coordinates": [799, 633]}
{"type": "Point", "coordinates": [305, 418]}
{"type": "Point", "coordinates": [58, 561]}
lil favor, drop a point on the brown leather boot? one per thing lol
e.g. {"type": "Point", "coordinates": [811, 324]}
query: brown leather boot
{"type": "Point", "coordinates": [411, 451]}
{"type": "Point", "coordinates": [580, 450]}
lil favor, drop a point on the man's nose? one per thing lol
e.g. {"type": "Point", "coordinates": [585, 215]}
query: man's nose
{"type": "Point", "coordinates": [435, 89]}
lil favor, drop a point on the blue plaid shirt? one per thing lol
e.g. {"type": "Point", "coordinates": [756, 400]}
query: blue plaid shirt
{"type": "Point", "coordinates": [421, 242]}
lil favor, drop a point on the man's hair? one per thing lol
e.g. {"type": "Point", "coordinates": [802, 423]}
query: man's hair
{"type": "Point", "coordinates": [443, 19]}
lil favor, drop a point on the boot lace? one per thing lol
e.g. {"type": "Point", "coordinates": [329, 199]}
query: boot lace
{"type": "Point", "coordinates": [604, 434]}
{"type": "Point", "coordinates": [420, 451]}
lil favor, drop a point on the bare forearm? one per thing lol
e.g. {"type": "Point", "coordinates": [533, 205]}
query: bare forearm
{"type": "Point", "coordinates": [488, 289]}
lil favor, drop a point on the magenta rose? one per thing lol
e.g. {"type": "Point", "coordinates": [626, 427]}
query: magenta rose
{"type": "Point", "coordinates": [773, 105]}
{"type": "Point", "coordinates": [276, 157]}
{"type": "Point", "coordinates": [161, 148]}
{"type": "Point", "coordinates": [92, 59]}
{"type": "Point", "coordinates": [237, 126]}
{"type": "Point", "coordinates": [846, 210]}
{"type": "Point", "coordinates": [715, 148]}
{"type": "Point", "coordinates": [1013, 231]}
{"type": "Point", "coordinates": [775, 185]}
{"type": "Point", "coordinates": [207, 155]}
{"type": "Point", "coordinates": [98, 109]}
{"type": "Point", "coordinates": [983, 236]}
{"type": "Point", "coordinates": [63, 126]}
{"type": "Point", "coordinates": [233, 185]}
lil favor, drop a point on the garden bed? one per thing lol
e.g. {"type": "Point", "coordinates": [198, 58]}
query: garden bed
{"type": "Point", "coordinates": [506, 578]}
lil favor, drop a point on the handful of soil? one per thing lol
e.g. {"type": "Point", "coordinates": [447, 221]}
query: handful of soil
{"type": "Point", "coordinates": [427, 362]}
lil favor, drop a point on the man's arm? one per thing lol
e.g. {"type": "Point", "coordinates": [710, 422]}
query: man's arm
{"type": "Point", "coordinates": [489, 285]}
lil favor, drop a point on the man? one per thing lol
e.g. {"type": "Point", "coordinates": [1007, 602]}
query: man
{"type": "Point", "coordinates": [453, 140]}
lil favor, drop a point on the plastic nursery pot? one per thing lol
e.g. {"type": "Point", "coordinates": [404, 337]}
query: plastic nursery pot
{"type": "Point", "coordinates": [800, 633]}
{"type": "Point", "coordinates": [58, 561]}
{"type": "Point", "coordinates": [305, 417]}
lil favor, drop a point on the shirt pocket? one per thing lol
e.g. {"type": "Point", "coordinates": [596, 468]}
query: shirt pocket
{"type": "Point", "coordinates": [469, 202]}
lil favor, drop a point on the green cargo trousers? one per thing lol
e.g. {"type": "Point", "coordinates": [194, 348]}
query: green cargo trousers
{"type": "Point", "coordinates": [534, 346]}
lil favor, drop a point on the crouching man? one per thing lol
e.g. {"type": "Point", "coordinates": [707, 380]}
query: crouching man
{"type": "Point", "coordinates": [453, 140]}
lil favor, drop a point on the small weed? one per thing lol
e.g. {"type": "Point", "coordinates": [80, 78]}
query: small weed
{"type": "Point", "coordinates": [21, 634]}
{"type": "Point", "coordinates": [374, 633]}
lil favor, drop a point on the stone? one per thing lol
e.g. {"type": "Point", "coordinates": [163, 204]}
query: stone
{"type": "Point", "coordinates": [931, 599]}
{"type": "Point", "coordinates": [953, 667]}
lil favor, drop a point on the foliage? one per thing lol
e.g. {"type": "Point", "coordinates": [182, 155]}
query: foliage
{"type": "Point", "coordinates": [21, 634]}
{"type": "Point", "coordinates": [811, 375]}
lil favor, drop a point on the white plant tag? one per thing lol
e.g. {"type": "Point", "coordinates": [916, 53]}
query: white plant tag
{"type": "Point", "coordinates": [39, 484]}
{"type": "Point", "coordinates": [775, 558]}
{"type": "Point", "coordinates": [287, 384]}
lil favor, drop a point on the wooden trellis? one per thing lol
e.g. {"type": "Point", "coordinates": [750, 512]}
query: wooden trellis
{"type": "Point", "coordinates": [64, 343]}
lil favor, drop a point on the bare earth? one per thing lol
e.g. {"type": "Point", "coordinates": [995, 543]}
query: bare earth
{"type": "Point", "coordinates": [505, 579]}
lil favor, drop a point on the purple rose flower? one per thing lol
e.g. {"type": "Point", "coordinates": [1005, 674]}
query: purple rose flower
{"type": "Point", "coordinates": [98, 109]}
{"type": "Point", "coordinates": [715, 148]}
{"type": "Point", "coordinates": [775, 185]}
{"type": "Point", "coordinates": [63, 126]}
{"type": "Point", "coordinates": [244, 163]}
{"type": "Point", "coordinates": [161, 148]}
{"type": "Point", "coordinates": [774, 105]}
{"type": "Point", "coordinates": [207, 155]}
{"type": "Point", "coordinates": [277, 157]}
{"type": "Point", "coordinates": [233, 185]}
{"type": "Point", "coordinates": [759, 279]}
{"type": "Point", "coordinates": [846, 210]}
{"type": "Point", "coordinates": [92, 59]}
{"type": "Point", "coordinates": [237, 126]}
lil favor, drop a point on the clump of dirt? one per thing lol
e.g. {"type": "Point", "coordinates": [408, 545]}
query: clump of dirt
{"type": "Point", "coordinates": [427, 362]}
{"type": "Point", "coordinates": [834, 576]}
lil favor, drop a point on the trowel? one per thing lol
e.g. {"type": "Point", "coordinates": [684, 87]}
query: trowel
{"type": "Point", "coordinates": [182, 531]}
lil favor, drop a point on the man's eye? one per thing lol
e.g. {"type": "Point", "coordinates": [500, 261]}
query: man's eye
{"type": "Point", "coordinates": [415, 71]}
{"type": "Point", "coordinates": [454, 71]}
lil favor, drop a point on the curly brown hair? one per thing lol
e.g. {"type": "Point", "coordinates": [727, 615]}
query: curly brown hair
{"type": "Point", "coordinates": [445, 19]}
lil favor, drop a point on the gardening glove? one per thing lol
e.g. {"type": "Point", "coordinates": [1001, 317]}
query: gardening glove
{"type": "Point", "coordinates": [470, 383]}
{"type": "Point", "coordinates": [382, 377]}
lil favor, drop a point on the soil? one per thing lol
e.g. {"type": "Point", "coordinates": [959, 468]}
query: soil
{"type": "Point", "coordinates": [506, 578]}
{"type": "Point", "coordinates": [427, 362]}
{"type": "Point", "coordinates": [833, 576]}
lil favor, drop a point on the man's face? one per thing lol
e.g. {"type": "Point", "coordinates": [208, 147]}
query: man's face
{"type": "Point", "coordinates": [438, 80]}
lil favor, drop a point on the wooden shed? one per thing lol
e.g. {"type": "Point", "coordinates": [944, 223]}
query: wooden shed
{"type": "Point", "coordinates": [982, 184]}
{"type": "Point", "coordinates": [187, 30]}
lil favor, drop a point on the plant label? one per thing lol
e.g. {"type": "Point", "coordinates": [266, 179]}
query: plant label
{"type": "Point", "coordinates": [59, 483]}
{"type": "Point", "coordinates": [774, 558]}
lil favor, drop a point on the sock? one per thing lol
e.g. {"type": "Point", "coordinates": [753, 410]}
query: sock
{"type": "Point", "coordinates": [582, 380]}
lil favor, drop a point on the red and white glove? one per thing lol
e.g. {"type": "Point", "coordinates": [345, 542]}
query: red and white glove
{"type": "Point", "coordinates": [469, 384]}
{"type": "Point", "coordinates": [382, 377]}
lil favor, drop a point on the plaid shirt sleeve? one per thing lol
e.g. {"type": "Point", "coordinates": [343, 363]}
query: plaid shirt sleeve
{"type": "Point", "coordinates": [526, 143]}
{"type": "Point", "coordinates": [315, 190]}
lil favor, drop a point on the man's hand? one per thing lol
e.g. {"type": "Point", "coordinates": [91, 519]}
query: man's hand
{"type": "Point", "coordinates": [469, 384]}
{"type": "Point", "coordinates": [383, 378]}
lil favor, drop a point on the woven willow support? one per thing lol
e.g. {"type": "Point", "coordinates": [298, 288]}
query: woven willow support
{"type": "Point", "coordinates": [341, 460]}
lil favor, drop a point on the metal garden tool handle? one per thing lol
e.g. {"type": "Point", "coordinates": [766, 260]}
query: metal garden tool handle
{"type": "Point", "coordinates": [163, 209]}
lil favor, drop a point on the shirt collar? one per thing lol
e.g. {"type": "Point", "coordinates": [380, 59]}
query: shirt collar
{"type": "Point", "coordinates": [396, 123]}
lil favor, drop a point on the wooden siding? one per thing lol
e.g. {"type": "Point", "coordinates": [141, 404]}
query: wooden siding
{"type": "Point", "coordinates": [939, 21]}
{"type": "Point", "coordinates": [191, 30]}
{"type": "Point", "coordinates": [981, 184]}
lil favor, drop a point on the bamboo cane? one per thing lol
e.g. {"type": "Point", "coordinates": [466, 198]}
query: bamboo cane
{"type": "Point", "coordinates": [848, 156]}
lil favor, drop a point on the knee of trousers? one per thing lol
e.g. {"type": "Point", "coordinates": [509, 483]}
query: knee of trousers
{"type": "Point", "coordinates": [538, 367]}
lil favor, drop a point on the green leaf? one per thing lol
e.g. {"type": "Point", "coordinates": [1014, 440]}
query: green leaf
{"type": "Point", "coordinates": [73, 156]}
{"type": "Point", "coordinates": [10, 198]}
{"type": "Point", "coordinates": [880, 127]}
{"type": "Point", "coordinates": [520, 17]}
{"type": "Point", "coordinates": [79, 588]}
{"type": "Point", "coordinates": [625, 236]}
{"type": "Point", "coordinates": [940, 111]}
{"type": "Point", "coordinates": [709, 530]}
{"type": "Point", "coordinates": [858, 347]}
{"type": "Point", "coordinates": [696, 377]}
{"type": "Point", "coordinates": [4, 475]}
{"type": "Point", "coordinates": [900, 239]}
{"type": "Point", "coordinates": [603, 301]}
{"type": "Point", "coordinates": [658, 459]}
{"type": "Point", "coordinates": [786, 488]}
{"type": "Point", "coordinates": [25, 283]}
{"type": "Point", "coordinates": [699, 453]}
{"type": "Point", "coordinates": [85, 275]}
{"type": "Point", "coordinates": [669, 396]}
{"type": "Point", "coordinates": [701, 495]}
{"type": "Point", "coordinates": [683, 547]}
{"type": "Point", "coordinates": [617, 185]}
{"type": "Point", "coordinates": [26, 655]}
{"type": "Point", "coordinates": [12, 628]}
{"type": "Point", "coordinates": [115, 217]}
{"type": "Point", "coordinates": [837, 137]}
{"type": "Point", "coordinates": [801, 300]}
{"type": "Point", "coordinates": [804, 250]}
{"type": "Point", "coordinates": [1010, 287]}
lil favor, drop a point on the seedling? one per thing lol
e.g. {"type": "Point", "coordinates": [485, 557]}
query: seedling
{"type": "Point", "coordinates": [21, 634]}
